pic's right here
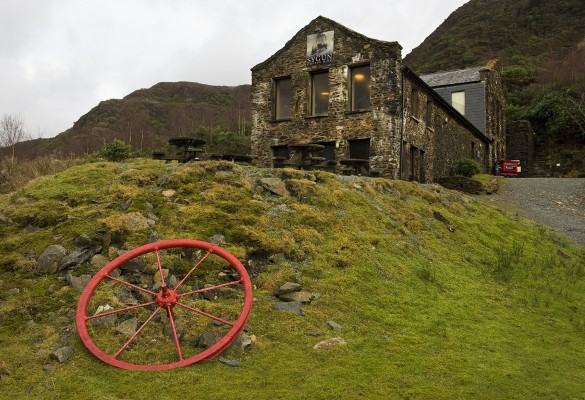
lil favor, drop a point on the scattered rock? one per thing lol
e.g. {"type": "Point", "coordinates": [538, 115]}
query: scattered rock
{"type": "Point", "coordinates": [275, 185]}
{"type": "Point", "coordinates": [168, 332]}
{"type": "Point", "coordinates": [208, 339]}
{"type": "Point", "coordinates": [293, 306]}
{"type": "Point", "coordinates": [128, 327]}
{"type": "Point", "coordinates": [229, 363]}
{"type": "Point", "coordinates": [84, 242]}
{"type": "Point", "coordinates": [107, 320]}
{"type": "Point", "coordinates": [334, 325]}
{"type": "Point", "coordinates": [326, 344]}
{"type": "Point", "coordinates": [98, 261]}
{"type": "Point", "coordinates": [133, 266]}
{"type": "Point", "coordinates": [78, 282]}
{"type": "Point", "coordinates": [168, 193]}
{"type": "Point", "coordinates": [13, 292]}
{"type": "Point", "coordinates": [218, 239]}
{"type": "Point", "coordinates": [243, 341]}
{"type": "Point", "coordinates": [63, 354]}
{"type": "Point", "coordinates": [51, 258]}
{"type": "Point", "coordinates": [76, 258]}
{"type": "Point", "coordinates": [288, 287]}
{"type": "Point", "coordinates": [302, 297]}
{"type": "Point", "coordinates": [136, 221]}
{"type": "Point", "coordinates": [153, 237]}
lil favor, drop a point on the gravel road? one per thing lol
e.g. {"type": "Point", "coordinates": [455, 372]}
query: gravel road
{"type": "Point", "coordinates": [556, 202]}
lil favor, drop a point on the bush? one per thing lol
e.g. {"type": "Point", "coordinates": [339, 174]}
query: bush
{"type": "Point", "coordinates": [468, 167]}
{"type": "Point", "coordinates": [116, 150]}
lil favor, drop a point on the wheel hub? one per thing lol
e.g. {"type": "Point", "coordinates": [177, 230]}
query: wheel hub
{"type": "Point", "coordinates": [166, 297]}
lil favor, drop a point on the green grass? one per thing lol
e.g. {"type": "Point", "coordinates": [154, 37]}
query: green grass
{"type": "Point", "coordinates": [479, 304]}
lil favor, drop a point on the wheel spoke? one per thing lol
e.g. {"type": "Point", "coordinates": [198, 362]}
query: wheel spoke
{"type": "Point", "coordinates": [172, 321]}
{"type": "Point", "coordinates": [137, 332]}
{"type": "Point", "coordinates": [194, 267]}
{"type": "Point", "coordinates": [162, 278]}
{"type": "Point", "coordinates": [87, 317]}
{"type": "Point", "coordinates": [131, 285]}
{"type": "Point", "coordinates": [196, 310]}
{"type": "Point", "coordinates": [205, 289]}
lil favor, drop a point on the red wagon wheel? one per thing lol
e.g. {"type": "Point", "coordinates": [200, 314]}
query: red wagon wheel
{"type": "Point", "coordinates": [165, 305]}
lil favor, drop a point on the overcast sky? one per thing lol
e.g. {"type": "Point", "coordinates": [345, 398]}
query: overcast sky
{"type": "Point", "coordinates": [60, 58]}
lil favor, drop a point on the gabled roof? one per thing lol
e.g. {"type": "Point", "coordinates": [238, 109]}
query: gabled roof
{"type": "Point", "coordinates": [315, 22]}
{"type": "Point", "coordinates": [456, 77]}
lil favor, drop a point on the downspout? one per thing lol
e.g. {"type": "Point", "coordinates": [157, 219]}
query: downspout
{"type": "Point", "coordinates": [401, 161]}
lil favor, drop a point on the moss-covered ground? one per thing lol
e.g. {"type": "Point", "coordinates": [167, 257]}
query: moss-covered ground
{"type": "Point", "coordinates": [439, 296]}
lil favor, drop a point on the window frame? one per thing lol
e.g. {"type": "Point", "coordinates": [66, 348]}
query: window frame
{"type": "Point", "coordinates": [352, 86]}
{"type": "Point", "coordinates": [278, 102]}
{"type": "Point", "coordinates": [415, 102]}
{"type": "Point", "coordinates": [459, 106]}
{"type": "Point", "coordinates": [313, 95]}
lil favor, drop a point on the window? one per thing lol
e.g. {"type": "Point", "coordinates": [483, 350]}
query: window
{"type": "Point", "coordinates": [430, 114]}
{"type": "Point", "coordinates": [319, 93]}
{"type": "Point", "coordinates": [414, 103]}
{"type": "Point", "coordinates": [458, 101]}
{"type": "Point", "coordinates": [283, 96]}
{"type": "Point", "coordinates": [360, 88]}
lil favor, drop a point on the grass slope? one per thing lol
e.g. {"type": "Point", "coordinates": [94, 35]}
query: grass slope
{"type": "Point", "coordinates": [439, 296]}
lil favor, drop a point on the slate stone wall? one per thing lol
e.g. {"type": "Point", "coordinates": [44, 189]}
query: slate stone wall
{"type": "Point", "coordinates": [495, 103]}
{"type": "Point", "coordinates": [381, 123]}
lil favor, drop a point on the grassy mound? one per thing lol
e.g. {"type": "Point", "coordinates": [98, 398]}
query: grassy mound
{"type": "Point", "coordinates": [437, 295]}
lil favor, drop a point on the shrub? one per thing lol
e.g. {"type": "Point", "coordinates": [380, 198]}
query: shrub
{"type": "Point", "coordinates": [468, 167]}
{"type": "Point", "coordinates": [116, 150]}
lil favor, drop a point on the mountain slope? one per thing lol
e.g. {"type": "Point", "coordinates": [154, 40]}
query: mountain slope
{"type": "Point", "coordinates": [541, 33]}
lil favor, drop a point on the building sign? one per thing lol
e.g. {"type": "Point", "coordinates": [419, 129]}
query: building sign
{"type": "Point", "coordinates": [320, 48]}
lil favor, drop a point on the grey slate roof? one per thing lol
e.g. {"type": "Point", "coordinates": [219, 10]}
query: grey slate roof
{"type": "Point", "coordinates": [452, 77]}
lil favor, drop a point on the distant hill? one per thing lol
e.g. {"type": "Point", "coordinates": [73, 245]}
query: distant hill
{"type": "Point", "coordinates": [146, 118]}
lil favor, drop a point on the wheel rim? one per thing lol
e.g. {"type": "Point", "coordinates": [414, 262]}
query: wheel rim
{"type": "Point", "coordinates": [198, 289]}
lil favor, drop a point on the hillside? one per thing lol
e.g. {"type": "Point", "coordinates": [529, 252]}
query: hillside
{"type": "Point", "coordinates": [146, 118]}
{"type": "Point", "coordinates": [540, 34]}
{"type": "Point", "coordinates": [434, 294]}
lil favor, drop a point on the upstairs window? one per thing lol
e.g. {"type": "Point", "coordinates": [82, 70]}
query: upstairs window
{"type": "Point", "coordinates": [429, 119]}
{"type": "Point", "coordinates": [360, 88]}
{"type": "Point", "coordinates": [414, 103]}
{"type": "Point", "coordinates": [283, 88]}
{"type": "Point", "coordinates": [458, 101]}
{"type": "Point", "coordinates": [319, 93]}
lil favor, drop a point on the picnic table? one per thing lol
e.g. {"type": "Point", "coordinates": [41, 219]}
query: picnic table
{"type": "Point", "coordinates": [185, 149]}
{"type": "Point", "coordinates": [355, 166]}
{"type": "Point", "coordinates": [304, 156]}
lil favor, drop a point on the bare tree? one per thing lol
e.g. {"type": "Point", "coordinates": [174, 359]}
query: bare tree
{"type": "Point", "coordinates": [11, 132]}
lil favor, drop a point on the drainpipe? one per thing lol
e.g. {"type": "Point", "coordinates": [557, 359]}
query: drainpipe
{"type": "Point", "coordinates": [401, 161]}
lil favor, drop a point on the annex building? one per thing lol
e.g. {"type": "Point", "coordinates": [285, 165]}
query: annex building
{"type": "Point", "coordinates": [352, 96]}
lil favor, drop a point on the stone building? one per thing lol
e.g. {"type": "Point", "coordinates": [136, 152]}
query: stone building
{"type": "Point", "coordinates": [352, 95]}
{"type": "Point", "coordinates": [478, 95]}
